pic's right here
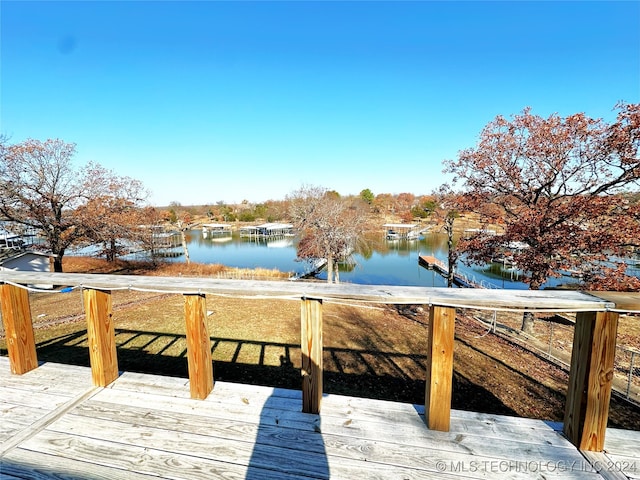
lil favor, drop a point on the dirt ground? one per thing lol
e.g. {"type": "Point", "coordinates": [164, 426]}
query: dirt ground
{"type": "Point", "coordinates": [374, 351]}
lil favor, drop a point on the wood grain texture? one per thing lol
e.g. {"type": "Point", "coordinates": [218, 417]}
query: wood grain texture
{"type": "Point", "coordinates": [455, 297]}
{"type": "Point", "coordinates": [198, 346]}
{"type": "Point", "coordinates": [311, 346]}
{"type": "Point", "coordinates": [16, 317]}
{"type": "Point", "coordinates": [590, 379]}
{"type": "Point", "coordinates": [600, 378]}
{"type": "Point", "coordinates": [101, 336]}
{"type": "Point", "coordinates": [440, 368]}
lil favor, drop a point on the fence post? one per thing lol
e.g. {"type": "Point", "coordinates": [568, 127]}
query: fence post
{"type": "Point", "coordinates": [630, 379]}
{"type": "Point", "coordinates": [198, 346]}
{"type": "Point", "coordinates": [101, 336]}
{"type": "Point", "coordinates": [590, 379]}
{"type": "Point", "coordinates": [440, 368]}
{"type": "Point", "coordinates": [16, 317]}
{"type": "Point", "coordinates": [311, 346]}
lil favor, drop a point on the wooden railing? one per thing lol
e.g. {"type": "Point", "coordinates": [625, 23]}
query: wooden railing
{"type": "Point", "coordinates": [591, 372]}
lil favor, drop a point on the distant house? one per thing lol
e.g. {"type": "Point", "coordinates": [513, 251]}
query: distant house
{"type": "Point", "coordinates": [26, 261]}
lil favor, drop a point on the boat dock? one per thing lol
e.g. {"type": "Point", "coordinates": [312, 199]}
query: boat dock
{"type": "Point", "coordinates": [215, 229]}
{"type": "Point", "coordinates": [403, 231]}
{"type": "Point", "coordinates": [267, 230]}
{"type": "Point", "coordinates": [432, 263]}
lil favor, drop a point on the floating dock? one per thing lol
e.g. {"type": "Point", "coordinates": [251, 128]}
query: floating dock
{"type": "Point", "coordinates": [432, 263]}
{"type": "Point", "coordinates": [403, 231]}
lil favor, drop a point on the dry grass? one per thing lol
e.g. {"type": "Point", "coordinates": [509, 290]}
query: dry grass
{"type": "Point", "coordinates": [95, 265]}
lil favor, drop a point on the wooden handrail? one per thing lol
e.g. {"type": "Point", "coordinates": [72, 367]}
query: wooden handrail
{"type": "Point", "coordinates": [591, 372]}
{"type": "Point", "coordinates": [559, 300]}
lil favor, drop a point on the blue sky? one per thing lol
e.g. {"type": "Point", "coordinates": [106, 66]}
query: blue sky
{"type": "Point", "coordinates": [229, 101]}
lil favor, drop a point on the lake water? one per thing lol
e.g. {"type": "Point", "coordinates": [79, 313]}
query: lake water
{"type": "Point", "coordinates": [382, 263]}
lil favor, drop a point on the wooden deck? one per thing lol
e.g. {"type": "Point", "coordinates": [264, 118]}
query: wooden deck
{"type": "Point", "coordinates": [55, 424]}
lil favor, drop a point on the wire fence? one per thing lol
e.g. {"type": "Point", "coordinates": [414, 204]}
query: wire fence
{"type": "Point", "coordinates": [628, 362]}
{"type": "Point", "coordinates": [553, 339]}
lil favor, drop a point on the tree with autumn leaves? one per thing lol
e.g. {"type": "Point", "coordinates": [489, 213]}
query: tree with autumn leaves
{"type": "Point", "coordinates": [559, 187]}
{"type": "Point", "coordinates": [41, 188]}
{"type": "Point", "coordinates": [329, 227]}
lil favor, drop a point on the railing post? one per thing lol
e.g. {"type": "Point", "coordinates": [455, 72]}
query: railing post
{"type": "Point", "coordinates": [198, 346]}
{"type": "Point", "coordinates": [590, 379]}
{"type": "Point", "coordinates": [101, 336]}
{"type": "Point", "coordinates": [437, 403]}
{"type": "Point", "coordinates": [16, 317]}
{"type": "Point", "coordinates": [311, 345]}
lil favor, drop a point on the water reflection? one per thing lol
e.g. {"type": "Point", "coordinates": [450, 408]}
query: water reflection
{"type": "Point", "coordinates": [376, 262]}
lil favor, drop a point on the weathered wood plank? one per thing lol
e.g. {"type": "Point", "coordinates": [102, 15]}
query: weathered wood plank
{"type": "Point", "coordinates": [137, 425]}
{"type": "Point", "coordinates": [149, 461]}
{"type": "Point", "coordinates": [149, 383]}
{"type": "Point", "coordinates": [237, 399]}
{"type": "Point", "coordinates": [41, 422]}
{"type": "Point", "coordinates": [311, 347]}
{"type": "Point", "coordinates": [37, 397]}
{"type": "Point", "coordinates": [440, 368]}
{"type": "Point", "coordinates": [453, 297]}
{"type": "Point", "coordinates": [406, 431]}
{"type": "Point", "coordinates": [198, 346]}
{"type": "Point", "coordinates": [623, 442]}
{"type": "Point", "coordinates": [626, 465]}
{"type": "Point", "coordinates": [101, 336]}
{"type": "Point", "coordinates": [336, 440]}
{"type": "Point", "coordinates": [16, 417]}
{"type": "Point", "coordinates": [16, 317]}
{"type": "Point", "coordinates": [48, 382]}
{"type": "Point", "coordinates": [606, 467]}
{"type": "Point", "coordinates": [625, 301]}
{"type": "Point", "coordinates": [280, 449]}
{"type": "Point", "coordinates": [25, 464]}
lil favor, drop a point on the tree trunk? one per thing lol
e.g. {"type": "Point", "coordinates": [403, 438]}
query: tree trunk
{"type": "Point", "coordinates": [451, 256]}
{"type": "Point", "coordinates": [57, 263]}
{"type": "Point", "coordinates": [336, 273]}
{"type": "Point", "coordinates": [184, 247]}
{"type": "Point", "coordinates": [329, 270]}
{"type": "Point", "coordinates": [451, 265]}
{"type": "Point", "coordinates": [111, 251]}
{"type": "Point", "coordinates": [528, 322]}
{"type": "Point", "coordinates": [528, 318]}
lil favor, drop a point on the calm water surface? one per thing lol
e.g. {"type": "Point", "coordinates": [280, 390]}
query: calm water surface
{"type": "Point", "coordinates": [382, 262]}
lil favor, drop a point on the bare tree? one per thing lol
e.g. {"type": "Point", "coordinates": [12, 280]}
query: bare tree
{"type": "Point", "coordinates": [183, 223]}
{"type": "Point", "coordinates": [147, 233]}
{"type": "Point", "coordinates": [445, 208]}
{"type": "Point", "coordinates": [112, 214]}
{"type": "Point", "coordinates": [329, 226]}
{"type": "Point", "coordinates": [42, 189]}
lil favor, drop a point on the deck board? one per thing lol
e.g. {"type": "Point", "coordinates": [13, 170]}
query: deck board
{"type": "Point", "coordinates": [143, 426]}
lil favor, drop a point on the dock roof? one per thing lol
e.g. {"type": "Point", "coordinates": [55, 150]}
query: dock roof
{"type": "Point", "coordinates": [400, 225]}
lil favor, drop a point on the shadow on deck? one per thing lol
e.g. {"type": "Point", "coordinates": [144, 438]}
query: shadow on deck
{"type": "Point", "coordinates": [373, 374]}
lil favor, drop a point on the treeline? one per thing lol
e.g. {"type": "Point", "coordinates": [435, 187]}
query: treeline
{"type": "Point", "coordinates": [404, 206]}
